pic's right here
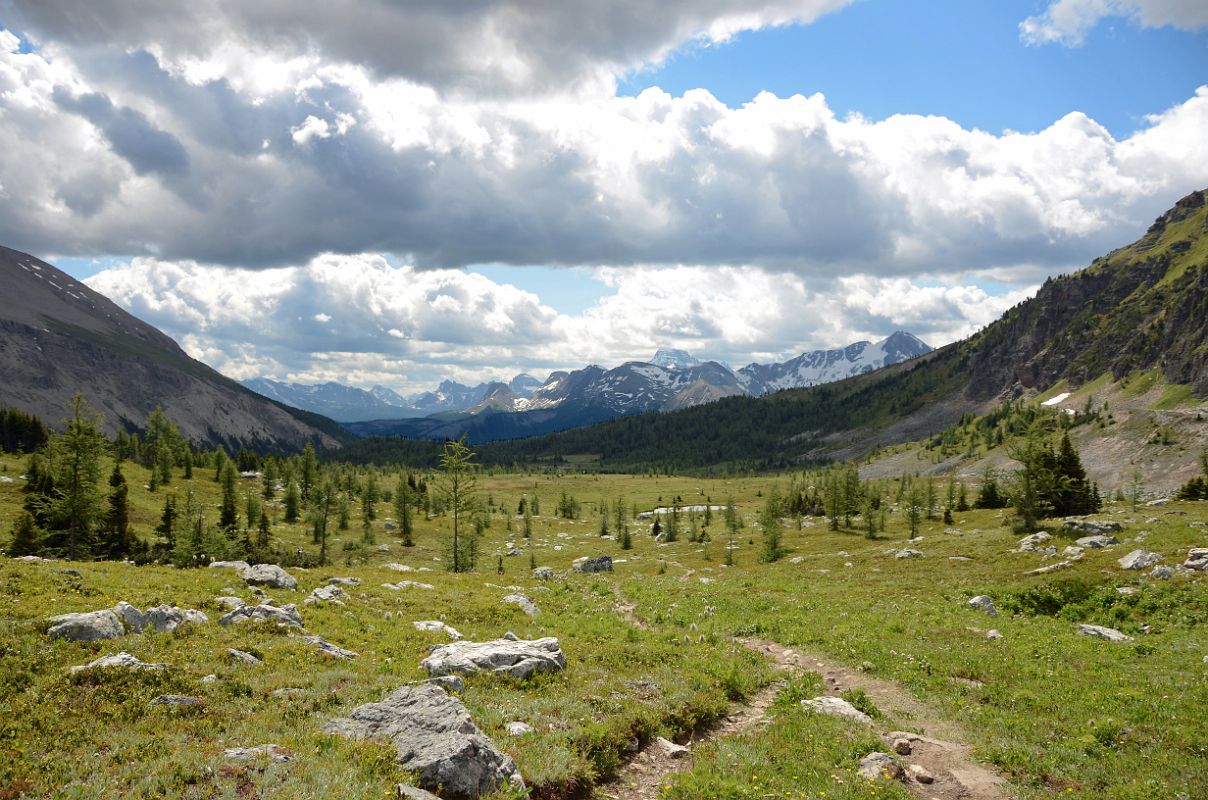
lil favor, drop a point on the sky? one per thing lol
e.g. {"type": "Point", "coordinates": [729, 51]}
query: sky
{"type": "Point", "coordinates": [396, 193]}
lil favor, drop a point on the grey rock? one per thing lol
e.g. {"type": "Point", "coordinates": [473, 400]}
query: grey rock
{"type": "Point", "coordinates": [344, 581]}
{"type": "Point", "coordinates": [959, 558]}
{"type": "Point", "coordinates": [91, 626]}
{"type": "Point", "coordinates": [509, 656]}
{"type": "Point", "coordinates": [407, 792]}
{"type": "Point", "coordinates": [285, 615]}
{"type": "Point", "coordinates": [1127, 591]}
{"type": "Point", "coordinates": [433, 736]}
{"type": "Point", "coordinates": [1162, 573]}
{"type": "Point", "coordinates": [241, 656]}
{"type": "Point", "coordinates": [1032, 544]}
{"type": "Point", "coordinates": [543, 573]}
{"type": "Point", "coordinates": [526, 605]}
{"type": "Point", "coordinates": [880, 766]}
{"type": "Point", "coordinates": [1139, 559]}
{"type": "Point", "coordinates": [1092, 527]}
{"type": "Point", "coordinates": [1100, 632]}
{"type": "Point", "coordinates": [269, 575]}
{"type": "Point", "coordinates": [286, 691]}
{"type": "Point", "coordinates": [671, 749]}
{"type": "Point", "coordinates": [837, 707]}
{"type": "Point", "coordinates": [919, 773]}
{"type": "Point", "coordinates": [901, 746]}
{"type": "Point", "coordinates": [122, 660]}
{"type": "Point", "coordinates": [177, 700]}
{"type": "Point", "coordinates": [399, 567]}
{"type": "Point", "coordinates": [328, 649]}
{"type": "Point", "coordinates": [597, 564]}
{"type": "Point", "coordinates": [1197, 559]}
{"type": "Point", "coordinates": [450, 683]}
{"type": "Point", "coordinates": [984, 603]}
{"type": "Point", "coordinates": [1098, 541]}
{"type": "Point", "coordinates": [1072, 551]}
{"type": "Point", "coordinates": [519, 728]}
{"type": "Point", "coordinates": [436, 626]}
{"type": "Point", "coordinates": [274, 752]}
{"type": "Point", "coordinates": [993, 634]}
{"type": "Point", "coordinates": [1050, 568]}
{"type": "Point", "coordinates": [408, 585]}
{"type": "Point", "coordinates": [229, 603]}
{"type": "Point", "coordinates": [161, 619]}
{"type": "Point", "coordinates": [239, 565]}
{"type": "Point", "coordinates": [328, 594]}
{"type": "Point", "coordinates": [907, 553]}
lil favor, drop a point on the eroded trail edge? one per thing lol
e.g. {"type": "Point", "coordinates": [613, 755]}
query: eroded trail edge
{"type": "Point", "coordinates": [935, 744]}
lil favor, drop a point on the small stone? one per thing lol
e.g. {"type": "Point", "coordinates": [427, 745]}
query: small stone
{"type": "Point", "coordinates": [436, 626]}
{"type": "Point", "coordinates": [671, 749]}
{"type": "Point", "coordinates": [519, 728]}
{"type": "Point", "coordinates": [1197, 559]}
{"type": "Point", "coordinates": [1101, 632]}
{"type": "Point", "coordinates": [901, 746]}
{"type": "Point", "coordinates": [229, 603]}
{"type": "Point", "coordinates": [993, 634]}
{"type": "Point", "coordinates": [1049, 568]}
{"type": "Point", "coordinates": [178, 700]}
{"type": "Point", "coordinates": [837, 707]}
{"type": "Point", "coordinates": [1127, 591]}
{"type": "Point", "coordinates": [344, 581]}
{"type": "Point", "coordinates": [122, 660]}
{"type": "Point", "coordinates": [211, 678]}
{"type": "Point", "coordinates": [919, 773]}
{"type": "Point", "coordinates": [407, 792]}
{"type": "Point", "coordinates": [908, 553]}
{"type": "Point", "coordinates": [328, 649]}
{"type": "Point", "coordinates": [407, 585]}
{"type": "Point", "coordinates": [985, 604]}
{"type": "Point", "coordinates": [881, 766]}
{"type": "Point", "coordinates": [1031, 544]}
{"type": "Point", "coordinates": [328, 594]}
{"type": "Point", "coordinates": [526, 605]}
{"type": "Point", "coordinates": [543, 573]}
{"type": "Point", "coordinates": [450, 683]}
{"type": "Point", "coordinates": [241, 656]}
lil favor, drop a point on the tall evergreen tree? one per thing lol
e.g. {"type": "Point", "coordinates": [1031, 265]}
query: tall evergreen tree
{"type": "Point", "coordinates": [166, 529]}
{"type": "Point", "coordinates": [117, 541]}
{"type": "Point", "coordinates": [228, 515]}
{"type": "Point", "coordinates": [459, 491]}
{"type": "Point", "coordinates": [76, 454]}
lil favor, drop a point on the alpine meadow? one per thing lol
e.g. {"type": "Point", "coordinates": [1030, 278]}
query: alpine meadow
{"type": "Point", "coordinates": [604, 401]}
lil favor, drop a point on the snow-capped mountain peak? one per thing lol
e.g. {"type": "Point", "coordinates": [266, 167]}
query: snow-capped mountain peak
{"type": "Point", "coordinates": [669, 358]}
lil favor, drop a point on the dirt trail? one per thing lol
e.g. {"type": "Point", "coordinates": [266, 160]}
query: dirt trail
{"type": "Point", "coordinates": [937, 747]}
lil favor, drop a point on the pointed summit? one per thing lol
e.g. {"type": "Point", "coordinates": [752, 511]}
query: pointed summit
{"type": "Point", "coordinates": [668, 358]}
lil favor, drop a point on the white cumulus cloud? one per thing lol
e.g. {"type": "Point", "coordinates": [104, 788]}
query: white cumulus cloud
{"type": "Point", "coordinates": [1068, 21]}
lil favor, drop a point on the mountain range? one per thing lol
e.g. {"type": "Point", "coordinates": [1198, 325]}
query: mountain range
{"type": "Point", "coordinates": [1141, 308]}
{"type": "Point", "coordinates": [671, 381]}
{"type": "Point", "coordinates": [58, 337]}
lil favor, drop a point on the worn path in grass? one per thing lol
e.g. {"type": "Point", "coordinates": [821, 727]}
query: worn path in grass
{"type": "Point", "coordinates": [937, 744]}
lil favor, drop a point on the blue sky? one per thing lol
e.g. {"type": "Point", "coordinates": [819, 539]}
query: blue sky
{"type": "Point", "coordinates": [475, 192]}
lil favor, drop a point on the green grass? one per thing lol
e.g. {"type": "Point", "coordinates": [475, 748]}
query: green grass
{"type": "Point", "coordinates": [1057, 712]}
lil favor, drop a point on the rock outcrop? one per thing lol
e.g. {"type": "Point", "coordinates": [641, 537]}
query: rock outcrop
{"type": "Point", "coordinates": [510, 655]}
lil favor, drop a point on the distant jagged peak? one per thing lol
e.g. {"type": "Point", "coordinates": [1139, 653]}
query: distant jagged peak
{"type": "Point", "coordinates": [671, 358]}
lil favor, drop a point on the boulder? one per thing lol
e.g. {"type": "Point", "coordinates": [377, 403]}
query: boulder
{"type": "Point", "coordinates": [344, 581]}
{"type": "Point", "coordinates": [241, 656]}
{"type": "Point", "coordinates": [1032, 544]}
{"type": "Point", "coordinates": [91, 626]}
{"type": "Point", "coordinates": [543, 573]}
{"type": "Point", "coordinates": [328, 594]}
{"type": "Point", "coordinates": [1049, 568]}
{"type": "Point", "coordinates": [837, 707]}
{"type": "Point", "coordinates": [526, 605]}
{"type": "Point", "coordinates": [285, 615]}
{"type": "Point", "coordinates": [880, 766]}
{"type": "Point", "coordinates": [407, 585]}
{"type": "Point", "coordinates": [161, 619]}
{"type": "Point", "coordinates": [1098, 541]}
{"type": "Point", "coordinates": [597, 564]}
{"type": "Point", "coordinates": [1197, 559]}
{"type": "Point", "coordinates": [902, 746]}
{"type": "Point", "coordinates": [1092, 527]}
{"type": "Point", "coordinates": [328, 649]}
{"type": "Point", "coordinates": [122, 660]}
{"type": "Point", "coordinates": [1162, 573]}
{"type": "Point", "coordinates": [1139, 559]}
{"type": "Point", "coordinates": [984, 603]}
{"type": "Point", "coordinates": [518, 658]}
{"type": "Point", "coordinates": [907, 553]}
{"type": "Point", "coordinates": [269, 575]}
{"type": "Point", "coordinates": [436, 626]}
{"type": "Point", "coordinates": [229, 603]}
{"type": "Point", "coordinates": [239, 565]}
{"type": "Point", "coordinates": [1100, 632]}
{"type": "Point", "coordinates": [434, 737]}
{"type": "Point", "coordinates": [450, 683]}
{"type": "Point", "coordinates": [919, 773]}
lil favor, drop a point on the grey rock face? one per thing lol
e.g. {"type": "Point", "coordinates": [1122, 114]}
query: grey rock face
{"type": "Point", "coordinates": [526, 605]}
{"type": "Point", "coordinates": [881, 766]}
{"type": "Point", "coordinates": [328, 649]}
{"type": "Point", "coordinates": [1197, 559]}
{"type": "Point", "coordinates": [984, 603]}
{"type": "Point", "coordinates": [510, 656]}
{"type": "Point", "coordinates": [165, 619]}
{"type": "Point", "coordinates": [269, 575]}
{"type": "Point", "coordinates": [1098, 541]}
{"type": "Point", "coordinates": [597, 564]}
{"type": "Point", "coordinates": [837, 707]}
{"type": "Point", "coordinates": [122, 660]}
{"type": "Point", "coordinates": [91, 626]}
{"type": "Point", "coordinates": [285, 615]}
{"type": "Point", "coordinates": [1139, 559]}
{"type": "Point", "coordinates": [1100, 632]}
{"type": "Point", "coordinates": [433, 736]}
{"type": "Point", "coordinates": [450, 683]}
{"type": "Point", "coordinates": [328, 594]}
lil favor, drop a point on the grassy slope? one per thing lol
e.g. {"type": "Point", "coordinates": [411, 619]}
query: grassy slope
{"type": "Point", "coordinates": [1057, 711]}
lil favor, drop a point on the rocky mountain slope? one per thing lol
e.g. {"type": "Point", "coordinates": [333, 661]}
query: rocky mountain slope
{"type": "Point", "coordinates": [58, 337]}
{"type": "Point", "coordinates": [1141, 307]}
{"type": "Point", "coordinates": [825, 366]}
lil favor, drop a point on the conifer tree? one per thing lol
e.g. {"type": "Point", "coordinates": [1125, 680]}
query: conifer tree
{"type": "Point", "coordinates": [293, 502]}
{"type": "Point", "coordinates": [228, 515]}
{"type": "Point", "coordinates": [76, 455]}
{"type": "Point", "coordinates": [117, 539]}
{"type": "Point", "coordinates": [26, 537]}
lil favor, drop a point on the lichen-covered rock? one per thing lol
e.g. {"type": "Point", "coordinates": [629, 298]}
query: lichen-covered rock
{"type": "Point", "coordinates": [509, 655]}
{"type": "Point", "coordinates": [122, 660]}
{"type": "Point", "coordinates": [434, 737]}
{"type": "Point", "coordinates": [91, 626]}
{"type": "Point", "coordinates": [1098, 541]}
{"type": "Point", "coordinates": [284, 615]}
{"type": "Point", "coordinates": [880, 766]}
{"type": "Point", "coordinates": [328, 594]}
{"type": "Point", "coordinates": [837, 707]}
{"type": "Point", "coordinates": [269, 575]}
